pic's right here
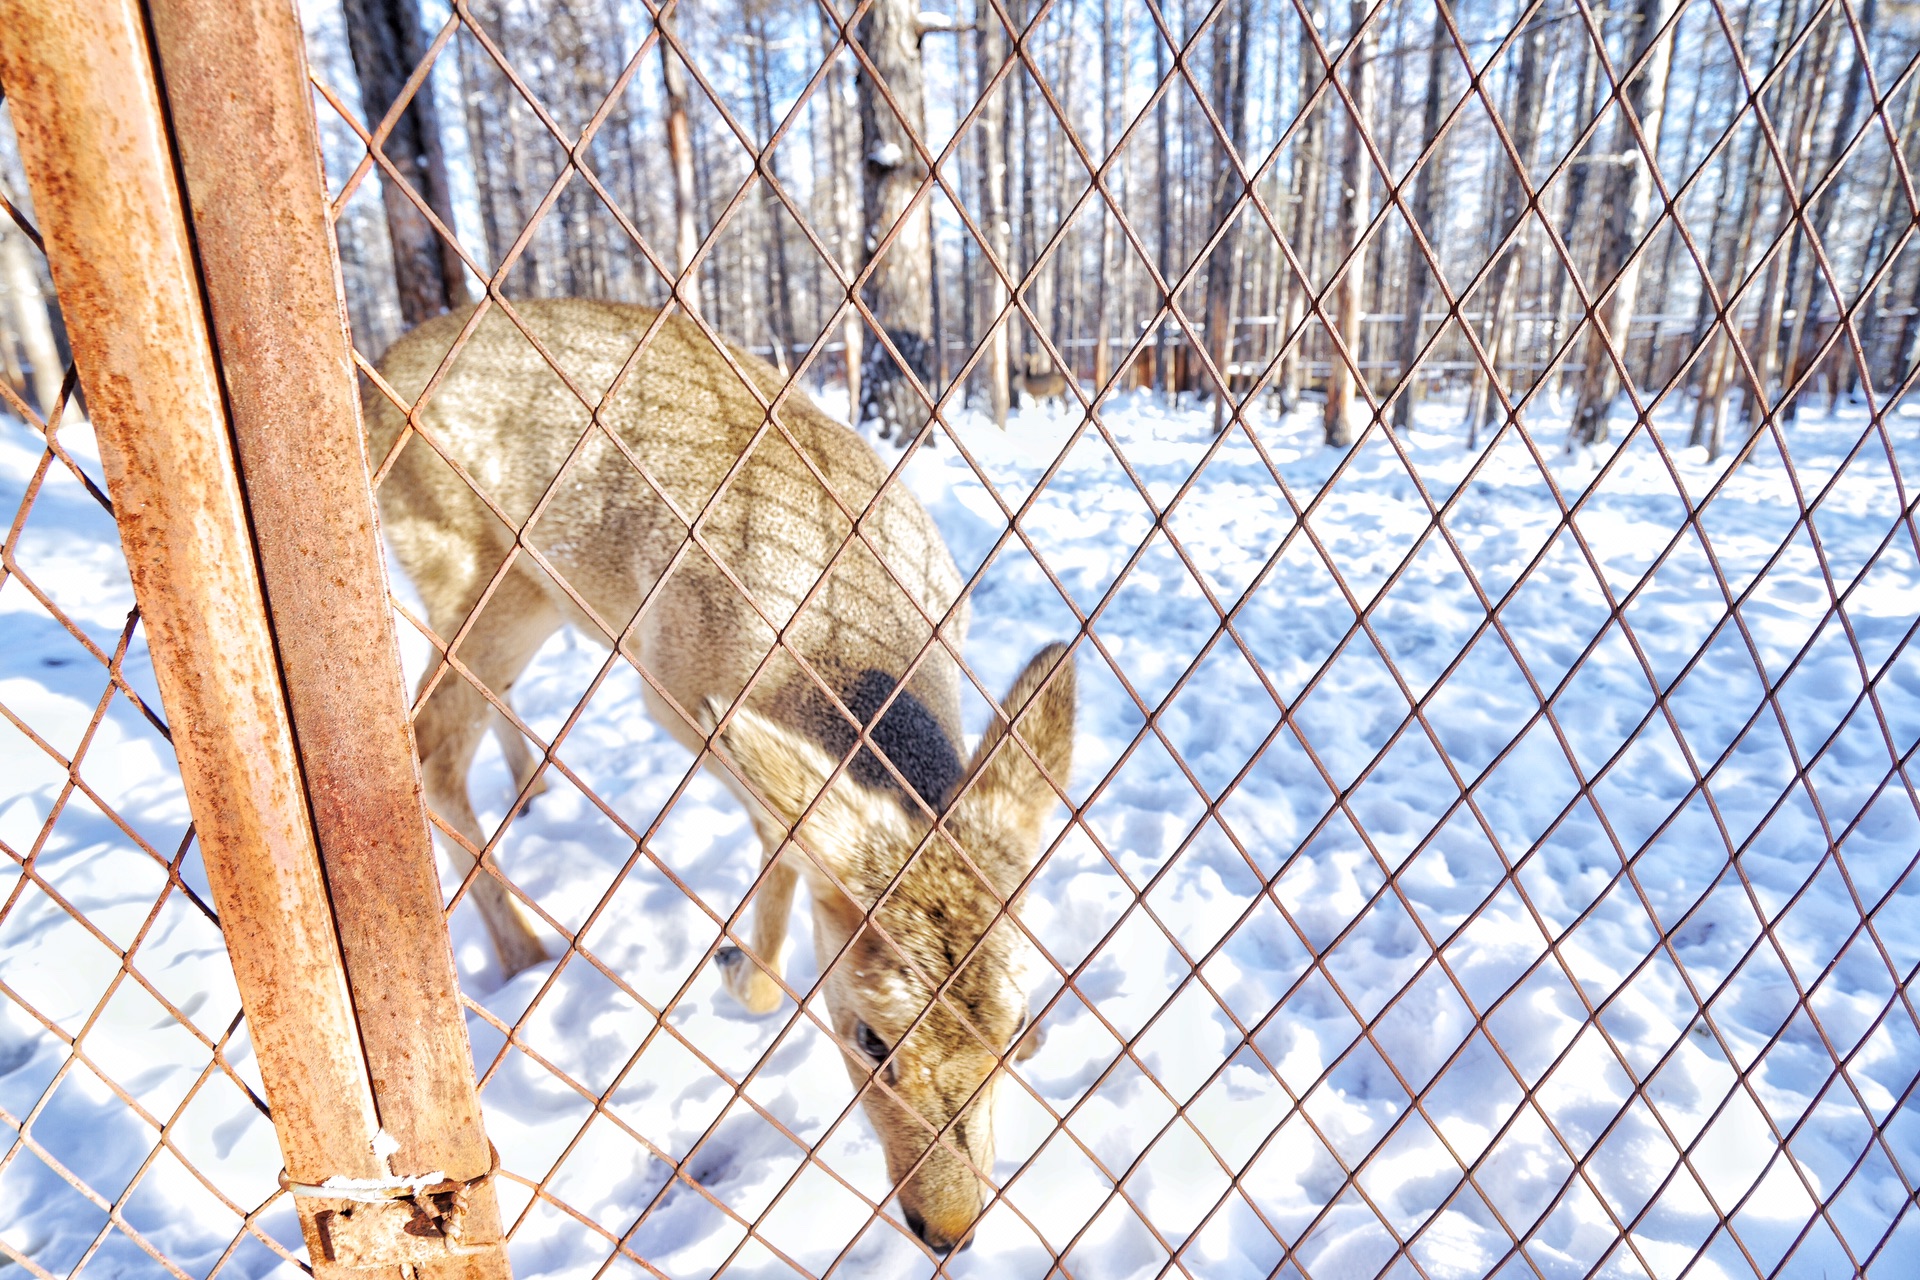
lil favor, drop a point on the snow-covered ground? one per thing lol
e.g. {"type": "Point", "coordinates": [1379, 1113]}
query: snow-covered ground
{"type": "Point", "coordinates": [1307, 931]}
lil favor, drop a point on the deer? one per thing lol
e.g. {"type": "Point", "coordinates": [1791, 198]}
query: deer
{"type": "Point", "coordinates": [1039, 380]}
{"type": "Point", "coordinates": [795, 624]}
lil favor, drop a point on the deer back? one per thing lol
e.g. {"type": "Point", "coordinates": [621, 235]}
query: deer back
{"type": "Point", "coordinates": [604, 513]}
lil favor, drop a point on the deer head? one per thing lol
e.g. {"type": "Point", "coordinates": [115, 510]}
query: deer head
{"type": "Point", "coordinates": [923, 963]}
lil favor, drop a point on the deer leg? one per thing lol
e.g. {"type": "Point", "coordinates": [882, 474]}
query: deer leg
{"type": "Point", "coordinates": [752, 979]}
{"type": "Point", "coordinates": [520, 762]}
{"type": "Point", "coordinates": [449, 727]}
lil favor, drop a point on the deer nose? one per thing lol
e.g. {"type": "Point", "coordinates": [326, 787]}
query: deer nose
{"type": "Point", "coordinates": [939, 1244]}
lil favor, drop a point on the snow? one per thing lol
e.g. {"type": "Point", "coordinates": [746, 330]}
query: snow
{"type": "Point", "coordinates": [1294, 948]}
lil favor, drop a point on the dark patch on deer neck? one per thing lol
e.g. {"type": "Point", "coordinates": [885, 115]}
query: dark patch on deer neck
{"type": "Point", "coordinates": [907, 732]}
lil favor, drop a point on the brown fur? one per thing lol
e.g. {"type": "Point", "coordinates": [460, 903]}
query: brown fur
{"type": "Point", "coordinates": [504, 416]}
{"type": "Point", "coordinates": [1040, 381]}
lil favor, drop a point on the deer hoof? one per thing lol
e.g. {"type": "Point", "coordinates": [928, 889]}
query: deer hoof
{"type": "Point", "coordinates": [1030, 1042]}
{"type": "Point", "coordinates": [746, 981]}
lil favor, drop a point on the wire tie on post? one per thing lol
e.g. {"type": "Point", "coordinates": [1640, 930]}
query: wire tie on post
{"type": "Point", "coordinates": [431, 1219]}
{"type": "Point", "coordinates": [375, 1190]}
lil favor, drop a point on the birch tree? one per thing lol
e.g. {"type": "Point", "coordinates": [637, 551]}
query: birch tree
{"type": "Point", "coordinates": [1629, 198]}
{"type": "Point", "coordinates": [1356, 172]}
{"type": "Point", "coordinates": [991, 136]}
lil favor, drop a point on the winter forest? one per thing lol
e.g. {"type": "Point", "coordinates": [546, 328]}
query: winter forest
{"type": "Point", "coordinates": [1181, 192]}
{"type": "Point", "coordinates": [1469, 446]}
{"type": "Point", "coordinates": [1303, 199]}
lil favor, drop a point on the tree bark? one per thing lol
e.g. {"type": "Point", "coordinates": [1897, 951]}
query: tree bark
{"type": "Point", "coordinates": [385, 40]}
{"type": "Point", "coordinates": [571, 35]}
{"type": "Point", "coordinates": [1231, 43]}
{"type": "Point", "coordinates": [1903, 352]}
{"type": "Point", "coordinates": [899, 292]}
{"type": "Point", "coordinates": [991, 51]}
{"type": "Point", "coordinates": [1883, 227]}
{"type": "Point", "coordinates": [1417, 272]}
{"type": "Point", "coordinates": [1356, 171]}
{"type": "Point", "coordinates": [1630, 192]}
{"type": "Point", "coordinates": [1109, 128]}
{"type": "Point", "coordinates": [1713, 395]}
{"type": "Point", "coordinates": [686, 239]}
{"type": "Point", "coordinates": [1162, 355]}
{"type": "Point", "coordinates": [1726, 254]}
{"type": "Point", "coordinates": [841, 148]}
{"type": "Point", "coordinates": [1579, 179]}
{"type": "Point", "coordinates": [1309, 151]}
{"type": "Point", "coordinates": [1728, 240]}
{"type": "Point", "coordinates": [1767, 361]}
{"type": "Point", "coordinates": [1060, 279]}
{"type": "Point", "coordinates": [770, 208]}
{"type": "Point", "coordinates": [1387, 141]}
{"type": "Point", "coordinates": [1800, 347]}
{"type": "Point", "coordinates": [1524, 122]}
{"type": "Point", "coordinates": [481, 142]}
{"type": "Point", "coordinates": [538, 278]}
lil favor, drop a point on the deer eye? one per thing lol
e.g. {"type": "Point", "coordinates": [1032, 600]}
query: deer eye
{"type": "Point", "coordinates": [870, 1044]}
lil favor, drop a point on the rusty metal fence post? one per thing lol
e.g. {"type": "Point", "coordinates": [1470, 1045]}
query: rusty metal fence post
{"type": "Point", "coordinates": [263, 589]}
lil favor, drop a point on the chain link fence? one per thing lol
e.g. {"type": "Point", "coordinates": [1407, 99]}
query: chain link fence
{"type": "Point", "coordinates": [1476, 861]}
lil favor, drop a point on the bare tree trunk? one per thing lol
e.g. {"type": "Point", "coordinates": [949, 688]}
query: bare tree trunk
{"type": "Point", "coordinates": [1308, 166]}
{"type": "Point", "coordinates": [1630, 191]}
{"type": "Point", "coordinates": [686, 240]}
{"type": "Point", "coordinates": [991, 50]}
{"type": "Point", "coordinates": [1162, 362]}
{"type": "Point", "coordinates": [1726, 252]}
{"type": "Point", "coordinates": [1057, 281]}
{"type": "Point", "coordinates": [899, 291]}
{"type": "Point", "coordinates": [1904, 355]}
{"type": "Point", "coordinates": [841, 147]}
{"type": "Point", "coordinates": [1578, 182]}
{"type": "Point", "coordinates": [518, 194]}
{"type": "Point", "coordinates": [1883, 227]}
{"type": "Point", "coordinates": [1800, 347]}
{"type": "Point", "coordinates": [770, 207]}
{"type": "Point", "coordinates": [1109, 128]}
{"type": "Point", "coordinates": [1356, 171]}
{"type": "Point", "coordinates": [964, 96]}
{"type": "Point", "coordinates": [1799, 146]}
{"type": "Point", "coordinates": [1024, 228]}
{"type": "Point", "coordinates": [481, 142]}
{"type": "Point", "coordinates": [1232, 41]}
{"type": "Point", "coordinates": [1417, 273]}
{"type": "Point", "coordinates": [1712, 407]}
{"type": "Point", "coordinates": [1524, 124]}
{"type": "Point", "coordinates": [572, 33]}
{"type": "Point", "coordinates": [385, 40]}
{"type": "Point", "coordinates": [27, 306]}
{"type": "Point", "coordinates": [1379, 288]}
{"type": "Point", "coordinates": [1649, 372]}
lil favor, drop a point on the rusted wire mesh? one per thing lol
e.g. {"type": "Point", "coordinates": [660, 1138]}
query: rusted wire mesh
{"type": "Point", "coordinates": [1650, 1131]}
{"type": "Point", "coordinates": [134, 1138]}
{"type": "Point", "coordinates": [1482, 747]}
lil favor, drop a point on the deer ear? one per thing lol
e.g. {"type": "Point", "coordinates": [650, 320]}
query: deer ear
{"type": "Point", "coordinates": [1005, 779]}
{"type": "Point", "coordinates": [786, 772]}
